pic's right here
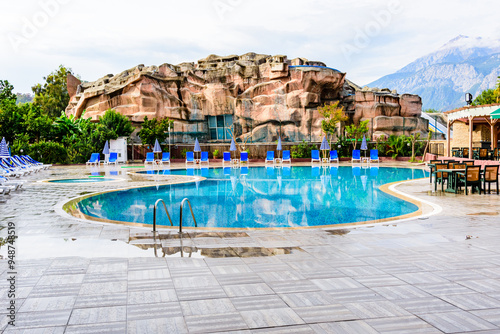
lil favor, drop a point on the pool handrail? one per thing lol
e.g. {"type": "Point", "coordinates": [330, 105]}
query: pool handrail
{"type": "Point", "coordinates": [154, 214]}
{"type": "Point", "coordinates": [192, 214]}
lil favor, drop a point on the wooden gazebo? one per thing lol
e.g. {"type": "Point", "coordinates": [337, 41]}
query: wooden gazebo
{"type": "Point", "coordinates": [475, 115]}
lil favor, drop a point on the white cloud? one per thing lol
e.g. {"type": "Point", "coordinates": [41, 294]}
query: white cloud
{"type": "Point", "coordinates": [95, 38]}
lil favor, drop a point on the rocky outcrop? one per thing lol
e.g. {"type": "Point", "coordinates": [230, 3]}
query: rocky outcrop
{"type": "Point", "coordinates": [266, 95]}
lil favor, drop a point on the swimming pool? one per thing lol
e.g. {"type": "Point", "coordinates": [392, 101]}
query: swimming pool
{"type": "Point", "coordinates": [261, 197]}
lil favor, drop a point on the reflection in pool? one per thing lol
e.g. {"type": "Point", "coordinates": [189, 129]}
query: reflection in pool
{"type": "Point", "coordinates": [83, 180]}
{"type": "Point", "coordinates": [259, 197]}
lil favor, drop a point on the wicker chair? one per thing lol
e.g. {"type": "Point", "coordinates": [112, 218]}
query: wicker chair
{"type": "Point", "coordinates": [490, 176]}
{"type": "Point", "coordinates": [440, 176]}
{"type": "Point", "coordinates": [471, 177]}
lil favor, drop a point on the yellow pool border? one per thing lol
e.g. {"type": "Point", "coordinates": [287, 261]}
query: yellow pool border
{"type": "Point", "coordinates": [387, 188]}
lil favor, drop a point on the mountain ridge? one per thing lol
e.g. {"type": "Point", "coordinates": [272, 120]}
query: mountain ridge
{"type": "Point", "coordinates": [441, 78]}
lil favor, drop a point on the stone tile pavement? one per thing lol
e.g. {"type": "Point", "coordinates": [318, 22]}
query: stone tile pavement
{"type": "Point", "coordinates": [439, 273]}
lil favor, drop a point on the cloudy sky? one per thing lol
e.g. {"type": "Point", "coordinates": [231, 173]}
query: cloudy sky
{"type": "Point", "coordinates": [367, 39]}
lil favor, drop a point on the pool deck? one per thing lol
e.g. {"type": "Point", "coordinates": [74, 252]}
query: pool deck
{"type": "Point", "coordinates": [439, 273]}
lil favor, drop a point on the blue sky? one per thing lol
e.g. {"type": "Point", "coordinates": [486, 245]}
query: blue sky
{"type": "Point", "coordinates": [365, 39]}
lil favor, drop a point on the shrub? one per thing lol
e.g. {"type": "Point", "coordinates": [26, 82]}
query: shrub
{"type": "Point", "coordinates": [303, 150]}
{"type": "Point", "coordinates": [49, 152]}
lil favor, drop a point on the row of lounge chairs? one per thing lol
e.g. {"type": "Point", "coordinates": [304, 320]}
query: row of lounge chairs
{"type": "Point", "coordinates": [95, 159]}
{"type": "Point", "coordinates": [13, 168]}
{"type": "Point", "coordinates": [270, 158]}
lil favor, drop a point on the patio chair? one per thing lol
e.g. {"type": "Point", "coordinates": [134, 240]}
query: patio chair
{"type": "Point", "coordinates": [465, 152]}
{"type": "Point", "coordinates": [334, 156]}
{"type": "Point", "coordinates": [374, 156]}
{"type": "Point", "coordinates": [286, 157]}
{"type": "Point", "coordinates": [244, 157]}
{"type": "Point", "coordinates": [315, 156]}
{"type": "Point", "coordinates": [165, 158]}
{"type": "Point", "coordinates": [468, 162]}
{"type": "Point", "coordinates": [356, 156]}
{"type": "Point", "coordinates": [490, 176]}
{"type": "Point", "coordinates": [471, 177]}
{"type": "Point", "coordinates": [483, 154]}
{"type": "Point", "coordinates": [440, 177]}
{"type": "Point", "coordinates": [94, 159]}
{"type": "Point", "coordinates": [150, 158]}
{"type": "Point", "coordinates": [113, 158]}
{"type": "Point", "coordinates": [269, 157]}
{"type": "Point", "coordinates": [189, 157]}
{"type": "Point", "coordinates": [204, 157]}
{"type": "Point", "coordinates": [226, 158]}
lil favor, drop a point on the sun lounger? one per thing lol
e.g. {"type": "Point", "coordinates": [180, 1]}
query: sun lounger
{"type": "Point", "coordinates": [94, 159]}
{"type": "Point", "coordinates": [315, 156]}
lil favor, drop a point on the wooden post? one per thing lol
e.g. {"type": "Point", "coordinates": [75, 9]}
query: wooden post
{"type": "Point", "coordinates": [448, 140]}
{"type": "Point", "coordinates": [471, 127]}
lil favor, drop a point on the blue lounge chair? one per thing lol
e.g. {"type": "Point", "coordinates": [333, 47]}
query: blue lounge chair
{"type": "Point", "coordinates": [226, 158]}
{"type": "Point", "coordinates": [244, 157]}
{"type": "Point", "coordinates": [334, 156]}
{"type": "Point", "coordinates": [356, 156]}
{"type": "Point", "coordinates": [113, 158]}
{"type": "Point", "coordinates": [374, 156]}
{"type": "Point", "coordinates": [150, 158]}
{"type": "Point", "coordinates": [165, 158]}
{"type": "Point", "coordinates": [286, 157]}
{"type": "Point", "coordinates": [315, 156]}
{"type": "Point", "coordinates": [204, 157]}
{"type": "Point", "coordinates": [269, 157]}
{"type": "Point", "coordinates": [189, 157]}
{"type": "Point", "coordinates": [94, 159]}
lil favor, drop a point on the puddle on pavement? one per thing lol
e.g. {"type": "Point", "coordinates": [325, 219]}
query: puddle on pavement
{"type": "Point", "coordinates": [483, 214]}
{"type": "Point", "coordinates": [191, 251]}
{"type": "Point", "coordinates": [152, 242]}
{"type": "Point", "coordinates": [338, 232]}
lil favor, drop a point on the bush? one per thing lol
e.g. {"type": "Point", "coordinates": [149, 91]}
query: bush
{"type": "Point", "coordinates": [49, 152]}
{"type": "Point", "coordinates": [303, 150]}
{"type": "Point", "coordinates": [342, 146]}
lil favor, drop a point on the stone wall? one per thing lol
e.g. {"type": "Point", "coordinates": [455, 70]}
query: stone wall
{"type": "Point", "coordinates": [267, 95]}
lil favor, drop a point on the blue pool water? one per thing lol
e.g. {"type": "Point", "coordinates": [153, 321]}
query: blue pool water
{"type": "Point", "coordinates": [260, 197]}
{"type": "Point", "coordinates": [83, 180]}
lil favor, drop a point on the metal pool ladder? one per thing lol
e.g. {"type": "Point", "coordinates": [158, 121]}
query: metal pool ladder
{"type": "Point", "coordinates": [168, 215]}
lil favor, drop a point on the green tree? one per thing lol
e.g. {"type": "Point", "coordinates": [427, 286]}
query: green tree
{"type": "Point", "coordinates": [486, 97]}
{"type": "Point", "coordinates": [10, 119]}
{"type": "Point", "coordinates": [356, 132]}
{"type": "Point", "coordinates": [52, 96]}
{"type": "Point", "coordinates": [332, 114]}
{"type": "Point", "coordinates": [153, 129]}
{"type": "Point", "coordinates": [431, 111]}
{"type": "Point", "coordinates": [113, 125]}
{"type": "Point", "coordinates": [36, 125]}
{"type": "Point", "coordinates": [6, 91]}
{"type": "Point", "coordinates": [65, 126]}
{"type": "Point", "coordinates": [497, 90]}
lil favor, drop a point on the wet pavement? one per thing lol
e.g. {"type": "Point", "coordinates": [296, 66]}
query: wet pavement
{"type": "Point", "coordinates": [438, 273]}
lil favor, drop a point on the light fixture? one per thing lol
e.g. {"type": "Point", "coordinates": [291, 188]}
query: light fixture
{"type": "Point", "coordinates": [468, 98]}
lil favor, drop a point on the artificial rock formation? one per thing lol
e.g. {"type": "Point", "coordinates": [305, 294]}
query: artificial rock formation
{"type": "Point", "coordinates": [266, 95]}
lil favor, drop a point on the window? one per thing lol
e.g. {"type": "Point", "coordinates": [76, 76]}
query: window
{"type": "Point", "coordinates": [219, 127]}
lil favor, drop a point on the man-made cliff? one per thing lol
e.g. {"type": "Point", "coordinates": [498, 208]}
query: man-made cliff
{"type": "Point", "coordinates": [252, 95]}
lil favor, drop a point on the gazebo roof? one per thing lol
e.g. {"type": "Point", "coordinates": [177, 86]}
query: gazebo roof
{"type": "Point", "coordinates": [474, 111]}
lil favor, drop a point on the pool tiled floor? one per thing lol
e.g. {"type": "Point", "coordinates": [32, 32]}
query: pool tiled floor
{"type": "Point", "coordinates": [435, 274]}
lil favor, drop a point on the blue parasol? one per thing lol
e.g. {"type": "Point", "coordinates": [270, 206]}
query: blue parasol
{"type": "Point", "coordinates": [279, 144]}
{"type": "Point", "coordinates": [363, 144]}
{"type": "Point", "coordinates": [233, 145]}
{"type": "Point", "coordinates": [106, 148]}
{"type": "Point", "coordinates": [324, 144]}
{"type": "Point", "coordinates": [364, 147]}
{"type": "Point", "coordinates": [4, 150]}
{"type": "Point", "coordinates": [197, 147]}
{"type": "Point", "coordinates": [157, 147]}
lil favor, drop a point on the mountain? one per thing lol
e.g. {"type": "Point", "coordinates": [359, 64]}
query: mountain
{"type": "Point", "coordinates": [441, 78]}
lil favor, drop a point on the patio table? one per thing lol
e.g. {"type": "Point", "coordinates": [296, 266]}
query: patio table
{"type": "Point", "coordinates": [451, 185]}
